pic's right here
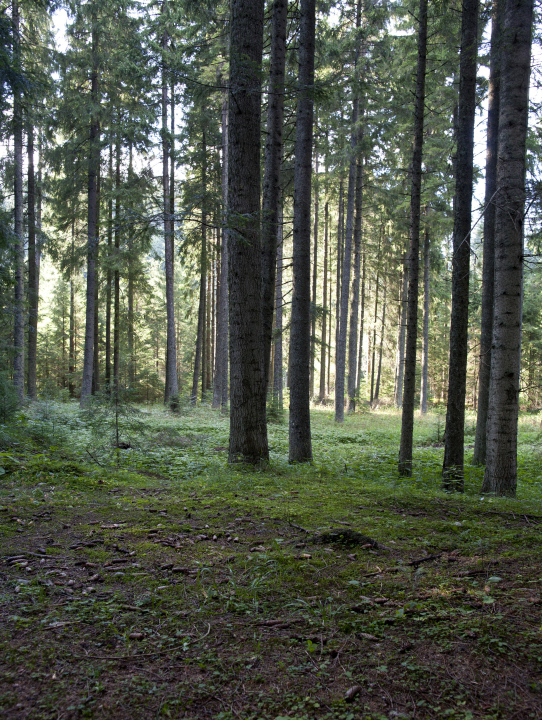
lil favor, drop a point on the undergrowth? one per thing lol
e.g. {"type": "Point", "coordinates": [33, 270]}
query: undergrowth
{"type": "Point", "coordinates": [152, 579]}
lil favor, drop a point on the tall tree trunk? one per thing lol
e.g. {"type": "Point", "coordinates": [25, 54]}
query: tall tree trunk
{"type": "Point", "coordinates": [354, 303]}
{"type": "Point", "coordinates": [116, 274]}
{"type": "Point", "coordinates": [314, 271]}
{"type": "Point", "coordinates": [340, 370]}
{"type": "Point", "coordinates": [452, 473]}
{"type": "Point", "coordinates": [171, 390]}
{"type": "Point", "coordinates": [130, 316]}
{"type": "Point", "coordinates": [71, 361]}
{"type": "Point", "coordinates": [322, 393]}
{"type": "Point", "coordinates": [488, 267]}
{"type": "Point", "coordinates": [277, 356]}
{"type": "Point", "coordinates": [300, 446]}
{"type": "Point", "coordinates": [401, 336]}
{"type": "Point", "coordinates": [220, 390]}
{"type": "Point", "coordinates": [330, 286]}
{"type": "Point", "coordinates": [375, 321]}
{"type": "Point", "coordinates": [381, 348]}
{"type": "Point", "coordinates": [425, 332]}
{"type": "Point", "coordinates": [33, 272]}
{"type": "Point", "coordinates": [340, 252]}
{"type": "Point", "coordinates": [96, 346]}
{"type": "Point", "coordinates": [248, 428]}
{"type": "Point", "coordinates": [92, 236]}
{"type": "Point", "coordinates": [407, 420]}
{"type": "Point", "coordinates": [208, 362]}
{"type": "Point", "coordinates": [109, 275]}
{"type": "Point", "coordinates": [18, 331]}
{"type": "Point", "coordinates": [273, 159]}
{"type": "Point", "coordinates": [361, 326]}
{"type": "Point", "coordinates": [200, 357]}
{"type": "Point", "coordinates": [501, 462]}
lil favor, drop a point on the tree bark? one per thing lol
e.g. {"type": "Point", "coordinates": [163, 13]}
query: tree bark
{"type": "Point", "coordinates": [300, 446]}
{"type": "Point", "coordinates": [109, 275]}
{"type": "Point", "coordinates": [407, 420]}
{"type": "Point", "coordinates": [501, 462]}
{"type": "Point", "coordinates": [273, 159]}
{"type": "Point", "coordinates": [381, 348]}
{"type": "Point", "coordinates": [314, 270]}
{"type": "Point", "coordinates": [92, 238]}
{"type": "Point", "coordinates": [452, 472]}
{"type": "Point", "coordinates": [116, 274]}
{"type": "Point", "coordinates": [361, 326]}
{"type": "Point", "coordinates": [200, 357]}
{"type": "Point", "coordinates": [277, 357]}
{"type": "Point", "coordinates": [248, 429]}
{"type": "Point", "coordinates": [375, 321]}
{"type": "Point", "coordinates": [33, 272]}
{"type": "Point", "coordinates": [425, 332]}
{"type": "Point", "coordinates": [18, 330]}
{"type": "Point", "coordinates": [220, 389]}
{"type": "Point", "coordinates": [171, 390]}
{"type": "Point", "coordinates": [96, 346]}
{"type": "Point", "coordinates": [401, 336]}
{"type": "Point", "coordinates": [340, 252]}
{"type": "Point", "coordinates": [354, 303]}
{"type": "Point", "coordinates": [322, 393]}
{"type": "Point", "coordinates": [488, 267]}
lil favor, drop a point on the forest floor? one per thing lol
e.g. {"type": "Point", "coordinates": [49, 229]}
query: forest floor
{"type": "Point", "coordinates": [158, 582]}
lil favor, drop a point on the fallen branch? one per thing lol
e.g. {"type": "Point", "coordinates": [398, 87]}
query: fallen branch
{"type": "Point", "coordinates": [427, 558]}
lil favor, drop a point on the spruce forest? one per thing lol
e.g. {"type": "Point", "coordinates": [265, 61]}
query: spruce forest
{"type": "Point", "coordinates": [270, 359]}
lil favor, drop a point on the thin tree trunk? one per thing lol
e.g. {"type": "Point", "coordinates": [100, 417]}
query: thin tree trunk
{"type": "Point", "coordinates": [18, 331]}
{"type": "Point", "coordinates": [171, 390]}
{"type": "Point", "coordinates": [248, 428]}
{"type": "Point", "coordinates": [501, 462]}
{"type": "Point", "coordinates": [373, 356]}
{"type": "Point", "coordinates": [425, 333]}
{"type": "Point", "coordinates": [314, 271]}
{"type": "Point", "coordinates": [354, 303]}
{"type": "Point", "coordinates": [33, 273]}
{"type": "Point", "coordinates": [220, 390]}
{"type": "Point", "coordinates": [330, 286]}
{"type": "Point", "coordinates": [278, 359]}
{"type": "Point", "coordinates": [116, 289]}
{"type": "Point", "coordinates": [109, 276]}
{"type": "Point", "coordinates": [452, 472]}
{"type": "Point", "coordinates": [361, 326]}
{"type": "Point", "coordinates": [130, 317]}
{"type": "Point", "coordinates": [381, 348]}
{"type": "Point", "coordinates": [96, 348]}
{"type": "Point", "coordinates": [488, 267]}
{"type": "Point", "coordinates": [71, 362]}
{"type": "Point", "coordinates": [200, 357]}
{"type": "Point", "coordinates": [407, 420]}
{"type": "Point", "coordinates": [401, 336]}
{"type": "Point", "coordinates": [208, 361]}
{"type": "Point", "coordinates": [340, 251]}
{"type": "Point", "coordinates": [273, 159]}
{"type": "Point", "coordinates": [340, 370]}
{"type": "Point", "coordinates": [92, 241]}
{"type": "Point", "coordinates": [300, 446]}
{"type": "Point", "coordinates": [322, 394]}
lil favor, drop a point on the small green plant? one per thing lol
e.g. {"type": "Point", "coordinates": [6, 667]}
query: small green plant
{"type": "Point", "coordinates": [8, 399]}
{"type": "Point", "coordinates": [114, 420]}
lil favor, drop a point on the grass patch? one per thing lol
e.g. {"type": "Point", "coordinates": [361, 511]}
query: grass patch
{"type": "Point", "coordinates": [160, 582]}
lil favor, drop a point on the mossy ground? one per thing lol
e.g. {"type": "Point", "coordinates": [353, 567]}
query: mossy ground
{"type": "Point", "coordinates": [160, 582]}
